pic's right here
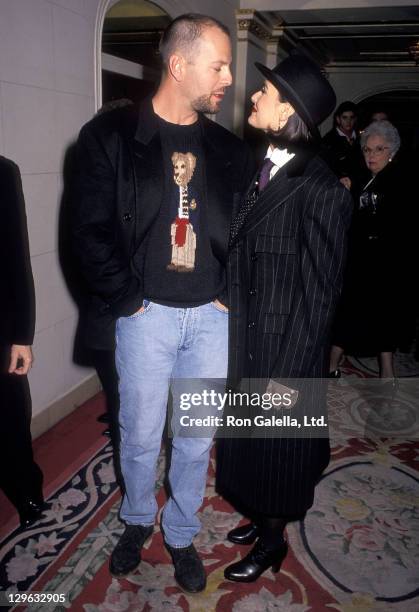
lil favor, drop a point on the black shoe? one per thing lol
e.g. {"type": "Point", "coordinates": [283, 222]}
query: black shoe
{"type": "Point", "coordinates": [30, 511]}
{"type": "Point", "coordinates": [246, 534]}
{"type": "Point", "coordinates": [335, 373]}
{"type": "Point", "coordinates": [103, 418]}
{"type": "Point", "coordinates": [126, 555]}
{"type": "Point", "coordinates": [256, 562]}
{"type": "Point", "coordinates": [189, 570]}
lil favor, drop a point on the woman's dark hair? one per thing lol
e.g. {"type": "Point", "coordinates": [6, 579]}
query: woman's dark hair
{"type": "Point", "coordinates": [294, 133]}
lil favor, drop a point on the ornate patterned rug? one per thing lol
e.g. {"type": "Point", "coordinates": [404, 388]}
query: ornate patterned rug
{"type": "Point", "coordinates": [356, 551]}
{"type": "Point", "coordinates": [404, 365]}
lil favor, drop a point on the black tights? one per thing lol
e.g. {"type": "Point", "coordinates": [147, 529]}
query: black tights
{"type": "Point", "coordinates": [271, 531]}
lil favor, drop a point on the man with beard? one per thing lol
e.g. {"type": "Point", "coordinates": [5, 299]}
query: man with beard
{"type": "Point", "coordinates": [152, 210]}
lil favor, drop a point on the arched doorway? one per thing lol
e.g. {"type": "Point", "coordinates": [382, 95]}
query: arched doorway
{"type": "Point", "coordinates": [401, 107]}
{"type": "Point", "coordinates": [130, 66]}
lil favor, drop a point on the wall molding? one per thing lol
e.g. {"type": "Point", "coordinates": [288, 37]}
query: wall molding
{"type": "Point", "coordinates": [65, 405]}
{"type": "Point", "coordinates": [385, 81]}
{"type": "Point", "coordinates": [249, 20]}
{"type": "Point", "coordinates": [115, 64]}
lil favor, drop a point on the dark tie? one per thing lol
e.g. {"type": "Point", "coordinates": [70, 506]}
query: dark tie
{"type": "Point", "coordinates": [240, 218]}
{"type": "Point", "coordinates": [264, 174]}
{"type": "Point", "coordinates": [249, 202]}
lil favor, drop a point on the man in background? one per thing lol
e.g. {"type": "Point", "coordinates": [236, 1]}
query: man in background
{"type": "Point", "coordinates": [20, 476]}
{"type": "Point", "coordinates": [341, 145]}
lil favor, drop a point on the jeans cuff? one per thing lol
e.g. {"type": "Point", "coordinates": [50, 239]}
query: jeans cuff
{"type": "Point", "coordinates": [177, 545]}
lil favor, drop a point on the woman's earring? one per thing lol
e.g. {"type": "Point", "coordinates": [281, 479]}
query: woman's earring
{"type": "Point", "coordinates": [390, 159]}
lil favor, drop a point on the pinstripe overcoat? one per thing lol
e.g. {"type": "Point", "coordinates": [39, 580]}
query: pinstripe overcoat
{"type": "Point", "coordinates": [285, 274]}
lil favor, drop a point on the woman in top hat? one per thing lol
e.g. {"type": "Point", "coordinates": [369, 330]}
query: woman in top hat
{"type": "Point", "coordinates": [288, 245]}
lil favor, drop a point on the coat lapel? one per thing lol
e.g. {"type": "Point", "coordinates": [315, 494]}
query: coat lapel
{"type": "Point", "coordinates": [148, 168]}
{"type": "Point", "coordinates": [284, 184]}
{"type": "Point", "coordinates": [149, 182]}
{"type": "Point", "coordinates": [219, 189]}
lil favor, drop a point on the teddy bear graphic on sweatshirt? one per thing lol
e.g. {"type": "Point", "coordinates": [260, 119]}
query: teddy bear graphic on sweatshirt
{"type": "Point", "coordinates": [182, 232]}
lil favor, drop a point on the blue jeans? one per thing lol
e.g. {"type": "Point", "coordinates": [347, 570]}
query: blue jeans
{"type": "Point", "coordinates": [154, 347]}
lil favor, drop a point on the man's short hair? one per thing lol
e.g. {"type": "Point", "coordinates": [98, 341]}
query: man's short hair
{"type": "Point", "coordinates": [382, 110]}
{"type": "Point", "coordinates": [184, 31]}
{"type": "Point", "coordinates": [346, 107]}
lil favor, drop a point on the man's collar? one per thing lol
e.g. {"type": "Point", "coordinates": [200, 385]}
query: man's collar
{"type": "Point", "coordinates": [148, 125]}
{"type": "Point", "coordinates": [351, 137]}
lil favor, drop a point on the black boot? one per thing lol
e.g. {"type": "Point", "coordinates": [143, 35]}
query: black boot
{"type": "Point", "coordinates": [246, 534]}
{"type": "Point", "coordinates": [257, 561]}
{"type": "Point", "coordinates": [189, 569]}
{"type": "Point", "coordinates": [126, 555]}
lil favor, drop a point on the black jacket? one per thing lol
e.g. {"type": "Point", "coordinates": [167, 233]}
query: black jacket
{"type": "Point", "coordinates": [285, 272]}
{"type": "Point", "coordinates": [285, 275]}
{"type": "Point", "coordinates": [119, 190]}
{"type": "Point", "coordinates": [377, 308]}
{"type": "Point", "coordinates": [343, 158]}
{"type": "Point", "coordinates": [17, 304]}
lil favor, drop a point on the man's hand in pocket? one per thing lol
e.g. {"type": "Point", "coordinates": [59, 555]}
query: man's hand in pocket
{"type": "Point", "coordinates": [218, 304]}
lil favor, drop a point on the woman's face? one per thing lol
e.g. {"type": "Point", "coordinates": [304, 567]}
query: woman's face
{"type": "Point", "coordinates": [376, 153]}
{"type": "Point", "coordinates": [268, 112]}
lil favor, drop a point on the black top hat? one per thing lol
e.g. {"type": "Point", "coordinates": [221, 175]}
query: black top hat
{"type": "Point", "coordinates": [302, 84]}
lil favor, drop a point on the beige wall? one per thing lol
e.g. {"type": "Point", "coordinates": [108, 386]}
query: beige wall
{"type": "Point", "coordinates": [46, 94]}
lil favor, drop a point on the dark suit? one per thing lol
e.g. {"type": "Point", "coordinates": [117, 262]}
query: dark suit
{"type": "Point", "coordinates": [20, 477]}
{"type": "Point", "coordinates": [119, 190]}
{"type": "Point", "coordinates": [285, 274]}
{"type": "Point", "coordinates": [341, 156]}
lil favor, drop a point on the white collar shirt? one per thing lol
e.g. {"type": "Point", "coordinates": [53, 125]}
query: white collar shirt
{"type": "Point", "coordinates": [349, 138]}
{"type": "Point", "coordinates": [279, 157]}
